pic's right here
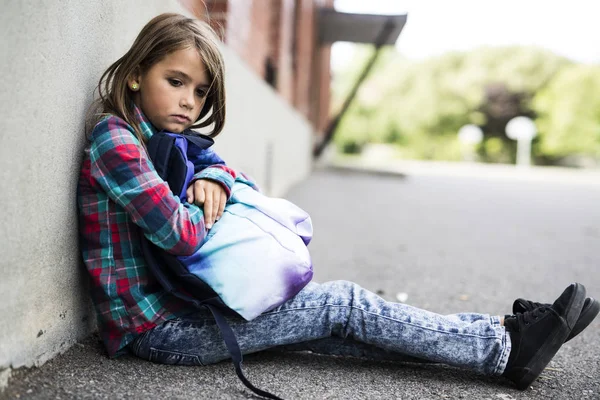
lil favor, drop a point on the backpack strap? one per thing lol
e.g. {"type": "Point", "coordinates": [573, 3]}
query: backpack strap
{"type": "Point", "coordinates": [168, 152]}
{"type": "Point", "coordinates": [235, 351]}
{"type": "Point", "coordinates": [163, 268]}
{"type": "Point", "coordinates": [180, 168]}
{"type": "Point", "coordinates": [159, 149]}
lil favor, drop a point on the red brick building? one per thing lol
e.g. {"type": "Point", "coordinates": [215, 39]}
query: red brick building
{"type": "Point", "coordinates": [278, 40]}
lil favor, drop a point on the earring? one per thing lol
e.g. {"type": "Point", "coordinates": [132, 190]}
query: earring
{"type": "Point", "coordinates": [135, 86]}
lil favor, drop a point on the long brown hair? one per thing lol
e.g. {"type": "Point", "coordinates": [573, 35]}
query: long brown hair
{"type": "Point", "coordinates": [161, 36]}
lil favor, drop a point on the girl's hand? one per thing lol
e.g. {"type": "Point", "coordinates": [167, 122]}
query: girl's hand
{"type": "Point", "coordinates": [210, 194]}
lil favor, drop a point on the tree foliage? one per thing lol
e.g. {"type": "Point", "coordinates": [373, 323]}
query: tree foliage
{"type": "Point", "coordinates": [420, 106]}
{"type": "Point", "coordinates": [569, 113]}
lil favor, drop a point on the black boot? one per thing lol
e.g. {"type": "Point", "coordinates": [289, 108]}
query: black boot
{"type": "Point", "coordinates": [537, 335]}
{"type": "Point", "coordinates": [591, 308]}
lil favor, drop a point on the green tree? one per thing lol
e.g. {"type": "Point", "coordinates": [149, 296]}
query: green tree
{"type": "Point", "coordinates": [421, 105]}
{"type": "Point", "coordinates": [569, 113]}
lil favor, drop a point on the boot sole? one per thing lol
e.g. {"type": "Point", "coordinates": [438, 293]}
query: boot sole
{"type": "Point", "coordinates": [588, 313]}
{"type": "Point", "coordinates": [547, 351]}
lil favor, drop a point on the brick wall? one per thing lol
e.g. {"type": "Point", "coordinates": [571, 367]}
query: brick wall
{"type": "Point", "coordinates": [312, 70]}
{"type": "Point", "coordinates": [285, 49]}
{"type": "Point", "coordinates": [217, 10]}
{"type": "Point", "coordinates": [278, 41]}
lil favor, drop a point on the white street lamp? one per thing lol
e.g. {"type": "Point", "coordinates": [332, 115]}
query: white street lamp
{"type": "Point", "coordinates": [469, 135]}
{"type": "Point", "coordinates": [523, 130]}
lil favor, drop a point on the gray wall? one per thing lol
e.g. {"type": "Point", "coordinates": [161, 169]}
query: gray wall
{"type": "Point", "coordinates": [52, 56]}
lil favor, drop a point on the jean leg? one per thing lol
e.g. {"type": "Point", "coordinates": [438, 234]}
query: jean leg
{"type": "Point", "coordinates": [349, 347]}
{"type": "Point", "coordinates": [341, 309]}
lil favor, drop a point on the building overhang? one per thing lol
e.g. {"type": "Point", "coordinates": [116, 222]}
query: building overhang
{"type": "Point", "coordinates": [378, 30]}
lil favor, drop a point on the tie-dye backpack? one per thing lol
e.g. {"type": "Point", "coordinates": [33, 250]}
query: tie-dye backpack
{"type": "Point", "coordinates": [251, 261]}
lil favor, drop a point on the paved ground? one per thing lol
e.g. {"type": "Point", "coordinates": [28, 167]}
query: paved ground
{"type": "Point", "coordinates": [450, 243]}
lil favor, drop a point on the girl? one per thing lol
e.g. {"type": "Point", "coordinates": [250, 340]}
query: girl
{"type": "Point", "coordinates": [172, 79]}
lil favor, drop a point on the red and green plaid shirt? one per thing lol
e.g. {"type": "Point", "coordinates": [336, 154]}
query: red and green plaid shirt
{"type": "Point", "coordinates": [120, 197]}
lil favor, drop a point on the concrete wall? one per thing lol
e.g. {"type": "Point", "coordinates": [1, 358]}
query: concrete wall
{"type": "Point", "coordinates": [52, 54]}
{"type": "Point", "coordinates": [263, 135]}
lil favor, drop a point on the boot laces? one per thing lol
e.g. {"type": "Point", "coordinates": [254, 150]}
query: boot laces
{"type": "Point", "coordinates": [531, 316]}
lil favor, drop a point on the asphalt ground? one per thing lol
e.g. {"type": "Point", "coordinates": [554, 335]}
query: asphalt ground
{"type": "Point", "coordinates": [445, 243]}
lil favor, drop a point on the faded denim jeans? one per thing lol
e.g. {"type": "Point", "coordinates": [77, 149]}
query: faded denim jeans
{"type": "Point", "coordinates": [338, 318]}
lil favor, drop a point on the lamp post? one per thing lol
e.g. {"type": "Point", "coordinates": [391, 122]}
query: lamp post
{"type": "Point", "coordinates": [523, 130]}
{"type": "Point", "coordinates": [469, 136]}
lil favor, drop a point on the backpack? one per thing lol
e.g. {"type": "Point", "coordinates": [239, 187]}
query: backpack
{"type": "Point", "coordinates": [251, 261]}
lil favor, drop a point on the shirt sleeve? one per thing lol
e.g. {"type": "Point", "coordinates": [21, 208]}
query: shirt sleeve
{"type": "Point", "coordinates": [245, 178]}
{"type": "Point", "coordinates": [121, 167]}
{"type": "Point", "coordinates": [208, 165]}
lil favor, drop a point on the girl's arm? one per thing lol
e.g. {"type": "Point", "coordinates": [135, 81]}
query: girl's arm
{"type": "Point", "coordinates": [120, 166]}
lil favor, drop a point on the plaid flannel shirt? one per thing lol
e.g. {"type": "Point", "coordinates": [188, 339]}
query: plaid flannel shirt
{"type": "Point", "coordinates": [119, 192]}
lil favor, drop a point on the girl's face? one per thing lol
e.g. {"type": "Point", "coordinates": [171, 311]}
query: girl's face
{"type": "Point", "coordinates": [172, 92]}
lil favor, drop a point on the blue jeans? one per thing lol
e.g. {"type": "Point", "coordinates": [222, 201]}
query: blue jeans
{"type": "Point", "coordinates": [338, 318]}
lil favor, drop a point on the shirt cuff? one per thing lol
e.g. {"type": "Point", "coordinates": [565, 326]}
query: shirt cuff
{"type": "Point", "coordinates": [218, 175]}
{"type": "Point", "coordinates": [244, 178]}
